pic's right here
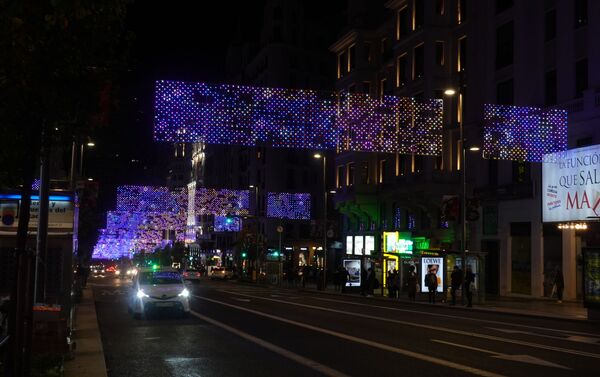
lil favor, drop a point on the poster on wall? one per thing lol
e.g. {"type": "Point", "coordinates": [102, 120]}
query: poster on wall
{"type": "Point", "coordinates": [349, 244]}
{"type": "Point", "coordinates": [591, 277]}
{"type": "Point", "coordinates": [369, 245]}
{"type": "Point", "coordinates": [353, 268]}
{"type": "Point", "coordinates": [435, 265]}
{"type": "Point", "coordinates": [571, 185]}
{"type": "Point", "coordinates": [359, 248]}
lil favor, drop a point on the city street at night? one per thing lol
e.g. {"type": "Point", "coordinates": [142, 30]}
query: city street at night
{"type": "Point", "coordinates": [237, 329]}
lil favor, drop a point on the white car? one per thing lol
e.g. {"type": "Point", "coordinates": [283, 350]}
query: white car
{"type": "Point", "coordinates": [222, 273]}
{"type": "Point", "coordinates": [158, 288]}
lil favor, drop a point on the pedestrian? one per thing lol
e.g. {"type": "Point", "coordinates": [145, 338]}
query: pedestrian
{"type": "Point", "coordinates": [370, 282]}
{"type": "Point", "coordinates": [336, 279]}
{"type": "Point", "coordinates": [469, 284]}
{"type": "Point", "coordinates": [431, 283]}
{"type": "Point", "coordinates": [344, 278]}
{"type": "Point", "coordinates": [363, 282]}
{"type": "Point", "coordinates": [412, 282]}
{"type": "Point", "coordinates": [303, 272]}
{"type": "Point", "coordinates": [456, 279]}
{"type": "Point", "coordinates": [559, 284]}
{"type": "Point", "coordinates": [390, 283]}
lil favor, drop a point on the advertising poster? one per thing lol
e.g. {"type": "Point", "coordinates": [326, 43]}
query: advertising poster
{"type": "Point", "coordinates": [435, 265]}
{"type": "Point", "coordinates": [349, 243]}
{"type": "Point", "coordinates": [369, 244]}
{"type": "Point", "coordinates": [591, 278]}
{"type": "Point", "coordinates": [359, 248]}
{"type": "Point", "coordinates": [571, 184]}
{"type": "Point", "coordinates": [353, 268]}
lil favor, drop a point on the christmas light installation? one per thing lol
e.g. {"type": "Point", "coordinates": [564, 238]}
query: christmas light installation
{"type": "Point", "coordinates": [221, 202]}
{"type": "Point", "coordinates": [227, 224]}
{"type": "Point", "coordinates": [288, 206]}
{"type": "Point", "coordinates": [146, 199]}
{"type": "Point", "coordinates": [520, 133]}
{"type": "Point", "coordinates": [243, 115]}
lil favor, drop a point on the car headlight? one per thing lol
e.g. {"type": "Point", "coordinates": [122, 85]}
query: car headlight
{"type": "Point", "coordinates": [117, 272]}
{"type": "Point", "coordinates": [185, 293]}
{"type": "Point", "coordinates": [141, 294]}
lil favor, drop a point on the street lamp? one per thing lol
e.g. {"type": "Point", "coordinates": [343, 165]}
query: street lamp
{"type": "Point", "coordinates": [90, 143]}
{"type": "Point", "coordinates": [319, 156]}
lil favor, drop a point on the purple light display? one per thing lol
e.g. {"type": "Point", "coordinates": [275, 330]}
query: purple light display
{"type": "Point", "coordinates": [221, 202]}
{"type": "Point", "coordinates": [390, 124]}
{"type": "Point", "coordinates": [146, 199]}
{"type": "Point", "coordinates": [242, 115]}
{"type": "Point", "coordinates": [227, 224]}
{"type": "Point", "coordinates": [523, 133]}
{"type": "Point", "coordinates": [288, 206]}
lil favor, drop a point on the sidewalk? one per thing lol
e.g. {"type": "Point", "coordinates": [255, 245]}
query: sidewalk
{"type": "Point", "coordinates": [532, 307]}
{"type": "Point", "coordinates": [88, 357]}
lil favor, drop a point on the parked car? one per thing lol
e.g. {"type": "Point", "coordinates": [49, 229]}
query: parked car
{"type": "Point", "coordinates": [158, 288]}
{"type": "Point", "coordinates": [222, 273]}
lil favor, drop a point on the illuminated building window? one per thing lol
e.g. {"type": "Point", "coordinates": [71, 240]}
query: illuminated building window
{"type": "Point", "coordinates": [342, 64]}
{"type": "Point", "coordinates": [339, 178]}
{"type": "Point", "coordinates": [439, 52]}
{"type": "Point", "coordinates": [461, 11]}
{"type": "Point", "coordinates": [382, 171]}
{"type": "Point", "coordinates": [382, 87]}
{"type": "Point", "coordinates": [351, 57]}
{"type": "Point", "coordinates": [350, 174]}
{"type": "Point", "coordinates": [403, 23]}
{"type": "Point", "coordinates": [418, 14]}
{"type": "Point", "coordinates": [418, 62]}
{"type": "Point", "coordinates": [461, 62]}
{"type": "Point", "coordinates": [401, 70]}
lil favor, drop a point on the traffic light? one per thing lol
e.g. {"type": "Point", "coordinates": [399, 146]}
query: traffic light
{"type": "Point", "coordinates": [244, 255]}
{"type": "Point", "coordinates": [275, 254]}
{"type": "Point", "coordinates": [228, 220]}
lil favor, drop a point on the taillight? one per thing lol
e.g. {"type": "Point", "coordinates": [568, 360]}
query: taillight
{"type": "Point", "coordinates": [197, 274]}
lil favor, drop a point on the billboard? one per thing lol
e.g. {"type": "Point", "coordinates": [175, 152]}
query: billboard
{"type": "Point", "coordinates": [392, 243]}
{"type": "Point", "coordinates": [353, 268]}
{"type": "Point", "coordinates": [571, 185]}
{"type": "Point", "coordinates": [436, 265]}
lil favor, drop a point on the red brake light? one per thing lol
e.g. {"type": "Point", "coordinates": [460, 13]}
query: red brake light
{"type": "Point", "coordinates": [197, 274]}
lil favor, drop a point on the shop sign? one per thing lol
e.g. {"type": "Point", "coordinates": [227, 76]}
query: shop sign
{"type": "Point", "coordinates": [60, 214]}
{"type": "Point", "coordinates": [421, 243]}
{"type": "Point", "coordinates": [571, 185]}
{"type": "Point", "coordinates": [591, 277]}
{"type": "Point", "coordinates": [392, 243]}
{"type": "Point", "coordinates": [435, 265]}
{"type": "Point", "coordinates": [353, 268]}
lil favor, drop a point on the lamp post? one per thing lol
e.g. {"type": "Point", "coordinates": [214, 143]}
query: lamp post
{"type": "Point", "coordinates": [322, 156]}
{"type": "Point", "coordinates": [89, 144]}
{"type": "Point", "coordinates": [255, 188]}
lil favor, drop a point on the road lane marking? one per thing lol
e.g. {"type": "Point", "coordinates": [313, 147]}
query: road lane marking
{"type": "Point", "coordinates": [436, 328]}
{"type": "Point", "coordinates": [504, 356]}
{"type": "Point", "coordinates": [240, 299]}
{"type": "Point", "coordinates": [458, 317]}
{"type": "Point", "coordinates": [400, 351]}
{"type": "Point", "coordinates": [272, 347]}
{"type": "Point", "coordinates": [579, 339]}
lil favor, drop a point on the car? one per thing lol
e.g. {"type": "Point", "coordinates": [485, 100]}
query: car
{"type": "Point", "coordinates": [97, 269]}
{"type": "Point", "coordinates": [158, 288]}
{"type": "Point", "coordinates": [191, 275]}
{"type": "Point", "coordinates": [222, 273]}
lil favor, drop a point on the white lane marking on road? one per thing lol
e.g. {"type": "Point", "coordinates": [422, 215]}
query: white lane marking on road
{"type": "Point", "coordinates": [577, 338]}
{"type": "Point", "coordinates": [458, 317]}
{"type": "Point", "coordinates": [413, 324]}
{"type": "Point", "coordinates": [152, 338]}
{"type": "Point", "coordinates": [504, 356]}
{"type": "Point", "coordinates": [272, 347]}
{"type": "Point", "coordinates": [241, 299]}
{"type": "Point", "coordinates": [414, 355]}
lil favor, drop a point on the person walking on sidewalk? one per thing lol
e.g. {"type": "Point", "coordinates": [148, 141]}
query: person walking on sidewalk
{"type": "Point", "coordinates": [370, 282]}
{"type": "Point", "coordinates": [411, 283]}
{"type": "Point", "coordinates": [344, 278]}
{"type": "Point", "coordinates": [559, 284]}
{"type": "Point", "coordinates": [432, 284]}
{"type": "Point", "coordinates": [469, 284]}
{"type": "Point", "coordinates": [455, 282]}
{"type": "Point", "coordinates": [397, 283]}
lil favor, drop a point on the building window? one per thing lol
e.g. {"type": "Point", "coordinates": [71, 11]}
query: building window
{"type": "Point", "coordinates": [366, 87]}
{"type": "Point", "coordinates": [342, 64]}
{"type": "Point", "coordinates": [439, 52]}
{"type": "Point", "coordinates": [339, 178]}
{"type": "Point", "coordinates": [581, 16]}
{"type": "Point", "coordinates": [504, 45]}
{"type": "Point", "coordinates": [505, 93]}
{"type": "Point", "coordinates": [350, 174]}
{"type": "Point", "coordinates": [368, 52]}
{"type": "Point", "coordinates": [402, 23]}
{"type": "Point", "coordinates": [351, 58]}
{"type": "Point", "coordinates": [550, 25]}
{"type": "Point", "coordinates": [419, 62]}
{"type": "Point", "coordinates": [276, 34]}
{"type": "Point", "coordinates": [277, 13]}
{"type": "Point", "coordinates": [382, 171]}
{"type": "Point", "coordinates": [502, 5]}
{"type": "Point", "coordinates": [461, 64]}
{"type": "Point", "coordinates": [401, 70]}
{"type": "Point", "coordinates": [382, 87]}
{"type": "Point", "coordinates": [550, 88]}
{"type": "Point", "coordinates": [461, 11]}
{"type": "Point", "coordinates": [365, 178]}
{"type": "Point", "coordinates": [581, 77]}
{"type": "Point", "coordinates": [439, 7]}
{"type": "Point", "coordinates": [418, 14]}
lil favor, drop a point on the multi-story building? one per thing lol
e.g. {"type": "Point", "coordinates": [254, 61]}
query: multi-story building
{"type": "Point", "coordinates": [523, 53]}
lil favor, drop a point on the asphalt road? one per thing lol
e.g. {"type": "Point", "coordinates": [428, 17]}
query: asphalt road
{"type": "Point", "coordinates": [244, 330]}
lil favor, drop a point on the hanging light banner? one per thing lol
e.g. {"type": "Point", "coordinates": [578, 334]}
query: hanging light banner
{"type": "Point", "coordinates": [571, 185]}
{"type": "Point", "coordinates": [521, 133]}
{"type": "Point", "coordinates": [283, 205]}
{"type": "Point", "coordinates": [289, 118]}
